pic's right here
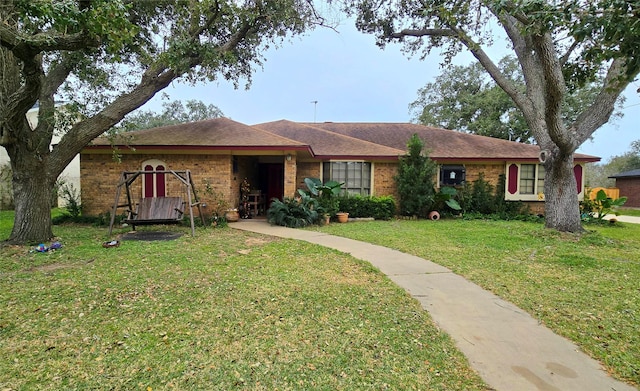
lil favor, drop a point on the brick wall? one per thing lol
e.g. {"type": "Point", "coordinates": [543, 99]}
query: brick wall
{"type": "Point", "coordinates": [491, 172]}
{"type": "Point", "coordinates": [100, 175]}
{"type": "Point", "coordinates": [630, 188]}
{"type": "Point", "coordinates": [383, 182]}
{"type": "Point", "coordinates": [307, 170]}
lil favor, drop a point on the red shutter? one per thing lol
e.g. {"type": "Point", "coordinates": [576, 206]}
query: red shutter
{"type": "Point", "coordinates": [160, 187]}
{"type": "Point", "coordinates": [513, 179]}
{"type": "Point", "coordinates": [148, 182]}
{"type": "Point", "coordinates": [577, 172]}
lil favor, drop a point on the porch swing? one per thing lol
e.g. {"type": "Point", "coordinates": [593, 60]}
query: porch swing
{"type": "Point", "coordinates": [156, 210]}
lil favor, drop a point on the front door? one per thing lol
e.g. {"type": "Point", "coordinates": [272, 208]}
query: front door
{"type": "Point", "coordinates": [275, 181]}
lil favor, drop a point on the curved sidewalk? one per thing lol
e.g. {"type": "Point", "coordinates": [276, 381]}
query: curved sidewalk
{"type": "Point", "coordinates": [505, 345]}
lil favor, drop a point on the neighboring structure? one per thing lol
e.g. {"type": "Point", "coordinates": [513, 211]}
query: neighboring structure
{"type": "Point", "coordinates": [70, 175]}
{"type": "Point", "coordinates": [275, 158]}
{"type": "Point", "coordinates": [629, 184]}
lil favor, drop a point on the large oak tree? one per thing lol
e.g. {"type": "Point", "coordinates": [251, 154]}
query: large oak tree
{"type": "Point", "coordinates": [560, 46]}
{"type": "Point", "coordinates": [105, 58]}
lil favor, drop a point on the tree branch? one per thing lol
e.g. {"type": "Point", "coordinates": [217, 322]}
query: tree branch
{"type": "Point", "coordinates": [25, 47]}
{"type": "Point", "coordinates": [603, 106]}
{"type": "Point", "coordinates": [533, 100]}
{"type": "Point", "coordinates": [424, 32]}
{"type": "Point", "coordinates": [483, 58]}
{"type": "Point", "coordinates": [555, 90]}
{"type": "Point", "coordinates": [567, 55]}
{"type": "Point", "coordinates": [154, 79]}
{"type": "Point", "coordinates": [27, 95]}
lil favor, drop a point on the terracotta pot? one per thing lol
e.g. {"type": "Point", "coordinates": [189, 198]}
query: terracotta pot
{"type": "Point", "coordinates": [232, 216]}
{"type": "Point", "coordinates": [343, 217]}
{"type": "Point", "coordinates": [434, 215]}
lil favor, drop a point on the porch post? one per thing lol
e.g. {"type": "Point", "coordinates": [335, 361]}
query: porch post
{"type": "Point", "coordinates": [290, 174]}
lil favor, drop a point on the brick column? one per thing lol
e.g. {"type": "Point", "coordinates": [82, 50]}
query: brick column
{"type": "Point", "coordinates": [290, 170]}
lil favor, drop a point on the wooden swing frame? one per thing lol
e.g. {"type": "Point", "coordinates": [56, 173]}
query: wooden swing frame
{"type": "Point", "coordinates": [156, 210]}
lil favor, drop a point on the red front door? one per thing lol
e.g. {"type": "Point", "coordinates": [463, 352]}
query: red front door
{"type": "Point", "coordinates": [275, 181]}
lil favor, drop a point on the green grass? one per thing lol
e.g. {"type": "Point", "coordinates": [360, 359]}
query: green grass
{"type": "Point", "coordinates": [629, 212]}
{"type": "Point", "coordinates": [224, 310]}
{"type": "Point", "coordinates": [585, 287]}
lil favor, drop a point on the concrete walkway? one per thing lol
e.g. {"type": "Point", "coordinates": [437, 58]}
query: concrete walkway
{"type": "Point", "coordinates": [624, 219]}
{"type": "Point", "coordinates": [508, 348]}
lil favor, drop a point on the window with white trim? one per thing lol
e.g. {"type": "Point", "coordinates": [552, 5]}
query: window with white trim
{"type": "Point", "coordinates": [525, 181]}
{"type": "Point", "coordinates": [154, 184]}
{"type": "Point", "coordinates": [356, 176]}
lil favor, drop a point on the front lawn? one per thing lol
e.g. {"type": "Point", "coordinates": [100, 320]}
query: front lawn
{"type": "Point", "coordinates": [585, 287]}
{"type": "Point", "coordinates": [629, 212]}
{"type": "Point", "coordinates": [224, 310]}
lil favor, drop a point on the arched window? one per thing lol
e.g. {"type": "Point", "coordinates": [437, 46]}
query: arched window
{"type": "Point", "coordinates": [154, 184]}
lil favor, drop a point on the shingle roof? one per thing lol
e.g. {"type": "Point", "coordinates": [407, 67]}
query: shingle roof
{"type": "Point", "coordinates": [627, 174]}
{"type": "Point", "coordinates": [443, 144]}
{"type": "Point", "coordinates": [328, 140]}
{"type": "Point", "coordinates": [218, 132]}
{"type": "Point", "coordinates": [326, 143]}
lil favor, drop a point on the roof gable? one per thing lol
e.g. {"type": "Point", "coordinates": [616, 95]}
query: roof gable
{"type": "Point", "coordinates": [217, 132]}
{"type": "Point", "coordinates": [326, 143]}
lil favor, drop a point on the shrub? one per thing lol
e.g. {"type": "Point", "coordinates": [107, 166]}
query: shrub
{"type": "Point", "coordinates": [6, 188]}
{"type": "Point", "coordinates": [482, 196]}
{"type": "Point", "coordinates": [415, 180]}
{"type": "Point", "coordinates": [295, 212]}
{"type": "Point", "coordinates": [380, 208]}
{"type": "Point", "coordinates": [445, 201]}
{"type": "Point", "coordinates": [101, 220]}
{"type": "Point", "coordinates": [599, 207]}
{"type": "Point", "coordinates": [71, 195]}
{"type": "Point", "coordinates": [326, 194]}
{"type": "Point", "coordinates": [480, 199]}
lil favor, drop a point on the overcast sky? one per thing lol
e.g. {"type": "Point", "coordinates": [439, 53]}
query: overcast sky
{"type": "Point", "coordinates": [353, 80]}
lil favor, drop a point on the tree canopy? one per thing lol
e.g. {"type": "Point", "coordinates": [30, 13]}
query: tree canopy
{"type": "Point", "coordinates": [174, 112]}
{"type": "Point", "coordinates": [560, 46]}
{"type": "Point", "coordinates": [467, 99]}
{"type": "Point", "coordinates": [598, 174]}
{"type": "Point", "coordinates": [106, 58]}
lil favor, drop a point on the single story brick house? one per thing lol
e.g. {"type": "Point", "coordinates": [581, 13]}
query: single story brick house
{"type": "Point", "coordinates": [275, 157]}
{"type": "Point", "coordinates": [629, 184]}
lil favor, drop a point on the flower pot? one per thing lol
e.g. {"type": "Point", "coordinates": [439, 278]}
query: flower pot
{"type": "Point", "coordinates": [232, 216]}
{"type": "Point", "coordinates": [343, 217]}
{"type": "Point", "coordinates": [434, 215]}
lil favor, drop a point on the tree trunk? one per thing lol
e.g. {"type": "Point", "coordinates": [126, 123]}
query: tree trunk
{"type": "Point", "coordinates": [32, 198]}
{"type": "Point", "coordinates": [562, 209]}
{"type": "Point", "coordinates": [33, 185]}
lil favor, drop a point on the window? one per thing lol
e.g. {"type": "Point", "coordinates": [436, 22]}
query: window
{"type": "Point", "coordinates": [153, 184]}
{"type": "Point", "coordinates": [527, 178]}
{"type": "Point", "coordinates": [451, 175]}
{"type": "Point", "coordinates": [356, 176]}
{"type": "Point", "coordinates": [525, 182]}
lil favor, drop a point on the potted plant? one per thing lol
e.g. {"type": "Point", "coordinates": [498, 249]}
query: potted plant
{"type": "Point", "coordinates": [342, 217]}
{"type": "Point", "coordinates": [232, 215]}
